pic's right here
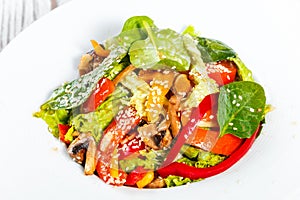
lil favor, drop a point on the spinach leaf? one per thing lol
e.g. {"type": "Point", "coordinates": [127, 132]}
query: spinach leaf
{"type": "Point", "coordinates": [241, 108]}
{"type": "Point", "coordinates": [162, 48]}
{"type": "Point", "coordinates": [133, 30]}
{"type": "Point", "coordinates": [74, 93]}
{"type": "Point", "coordinates": [137, 22]}
{"type": "Point", "coordinates": [214, 50]}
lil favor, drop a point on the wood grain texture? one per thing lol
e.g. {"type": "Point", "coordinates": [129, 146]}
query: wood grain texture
{"type": "Point", "coordinates": [16, 15]}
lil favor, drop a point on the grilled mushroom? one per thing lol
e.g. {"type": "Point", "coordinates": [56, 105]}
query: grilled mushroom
{"type": "Point", "coordinates": [157, 183]}
{"type": "Point", "coordinates": [166, 140]}
{"type": "Point", "coordinates": [83, 151]}
{"type": "Point", "coordinates": [92, 59]}
{"type": "Point", "coordinates": [147, 133]}
{"type": "Point", "coordinates": [182, 85]}
{"type": "Point", "coordinates": [173, 107]}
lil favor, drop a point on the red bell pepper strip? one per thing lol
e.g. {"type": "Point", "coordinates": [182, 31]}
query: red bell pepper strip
{"type": "Point", "coordinates": [181, 169]}
{"type": "Point", "coordinates": [103, 89]}
{"type": "Point", "coordinates": [136, 175]}
{"type": "Point", "coordinates": [63, 129]}
{"type": "Point", "coordinates": [196, 115]}
{"type": "Point", "coordinates": [223, 72]}
{"type": "Point", "coordinates": [124, 122]}
{"type": "Point", "coordinates": [130, 147]}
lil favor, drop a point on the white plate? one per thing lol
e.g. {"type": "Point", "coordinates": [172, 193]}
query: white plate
{"type": "Point", "coordinates": [33, 165]}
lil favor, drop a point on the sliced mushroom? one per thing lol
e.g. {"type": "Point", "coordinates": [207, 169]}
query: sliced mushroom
{"type": "Point", "coordinates": [84, 65]}
{"type": "Point", "coordinates": [166, 140]}
{"type": "Point", "coordinates": [92, 60]}
{"type": "Point", "coordinates": [173, 108]}
{"type": "Point", "coordinates": [147, 133]}
{"type": "Point", "coordinates": [165, 121]}
{"type": "Point", "coordinates": [182, 85]}
{"type": "Point", "coordinates": [157, 183]}
{"type": "Point", "coordinates": [83, 150]}
{"type": "Point", "coordinates": [148, 75]}
{"type": "Point", "coordinates": [185, 116]}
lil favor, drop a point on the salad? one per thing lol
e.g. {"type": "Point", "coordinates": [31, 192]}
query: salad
{"type": "Point", "coordinates": [154, 108]}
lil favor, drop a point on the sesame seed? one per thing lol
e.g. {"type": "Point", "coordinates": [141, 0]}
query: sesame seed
{"type": "Point", "coordinates": [234, 128]}
{"type": "Point", "coordinates": [166, 72]}
{"type": "Point", "coordinates": [252, 110]}
{"type": "Point", "coordinates": [159, 92]}
{"type": "Point", "coordinates": [185, 136]}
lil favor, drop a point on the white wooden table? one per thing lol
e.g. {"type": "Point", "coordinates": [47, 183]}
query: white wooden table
{"type": "Point", "coordinates": [16, 15]}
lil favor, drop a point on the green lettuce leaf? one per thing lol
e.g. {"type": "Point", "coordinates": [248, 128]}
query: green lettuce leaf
{"type": "Point", "coordinates": [172, 181]}
{"type": "Point", "coordinates": [96, 122]}
{"type": "Point", "coordinates": [191, 31]}
{"type": "Point", "coordinates": [161, 49]}
{"type": "Point", "coordinates": [199, 158]}
{"type": "Point", "coordinates": [149, 160]}
{"type": "Point", "coordinates": [140, 91]}
{"type": "Point", "coordinates": [53, 117]}
{"type": "Point", "coordinates": [204, 85]}
{"type": "Point", "coordinates": [244, 73]}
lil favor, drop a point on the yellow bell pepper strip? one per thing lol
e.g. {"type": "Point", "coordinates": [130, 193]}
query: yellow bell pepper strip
{"type": "Point", "coordinates": [148, 178]}
{"type": "Point", "coordinates": [123, 74]}
{"type": "Point", "coordinates": [135, 175]}
{"type": "Point", "coordinates": [99, 50]}
{"type": "Point", "coordinates": [160, 86]}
